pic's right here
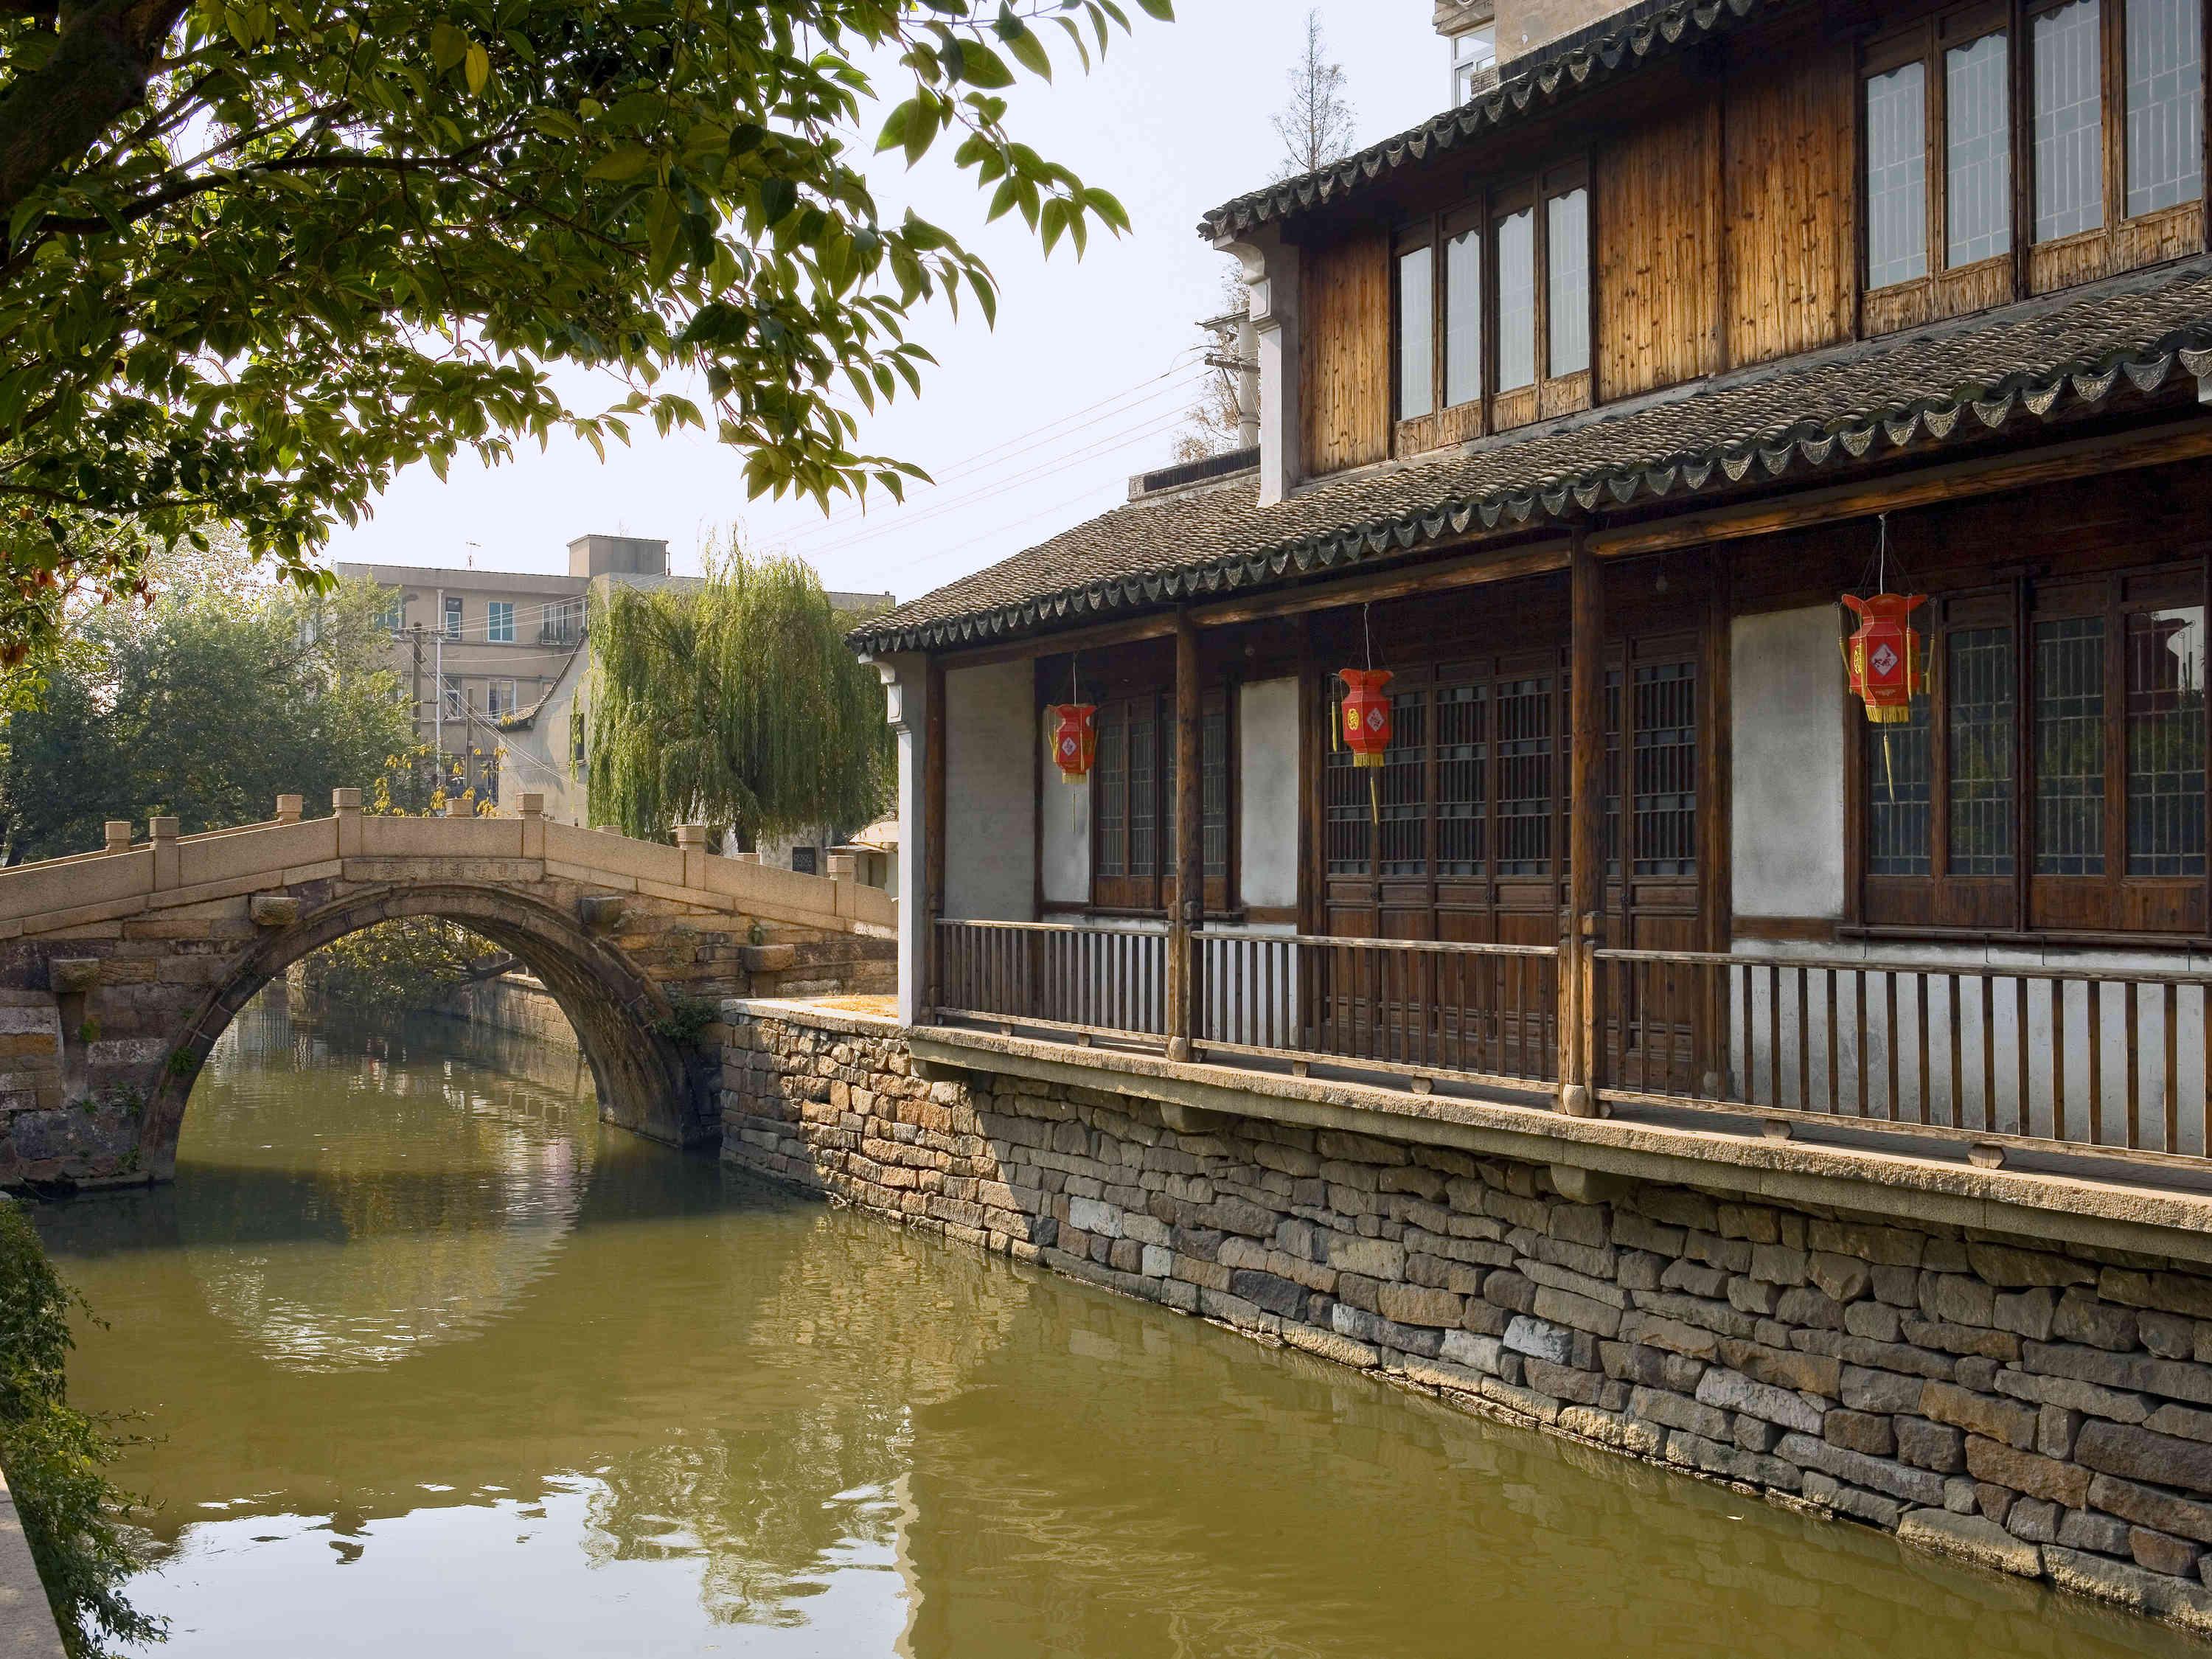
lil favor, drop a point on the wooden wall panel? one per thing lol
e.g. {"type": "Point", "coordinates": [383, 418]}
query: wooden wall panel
{"type": "Point", "coordinates": [1791, 134]}
{"type": "Point", "coordinates": [1657, 267]}
{"type": "Point", "coordinates": [1345, 352]}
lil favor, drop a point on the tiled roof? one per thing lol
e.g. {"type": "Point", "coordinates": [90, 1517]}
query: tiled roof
{"type": "Point", "coordinates": [1623, 42]}
{"type": "Point", "coordinates": [2038, 358]}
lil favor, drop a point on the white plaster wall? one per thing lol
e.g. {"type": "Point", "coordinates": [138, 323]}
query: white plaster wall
{"type": "Point", "coordinates": [1067, 849]}
{"type": "Point", "coordinates": [1267, 773]}
{"type": "Point", "coordinates": [1786, 691]}
{"type": "Point", "coordinates": [990, 805]}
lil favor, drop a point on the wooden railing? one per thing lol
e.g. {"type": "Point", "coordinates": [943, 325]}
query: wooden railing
{"type": "Point", "coordinates": [2104, 1058]}
{"type": "Point", "coordinates": [1055, 975]}
{"type": "Point", "coordinates": [1486, 1012]}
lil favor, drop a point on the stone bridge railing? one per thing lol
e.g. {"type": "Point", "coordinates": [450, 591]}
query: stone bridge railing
{"type": "Point", "coordinates": [165, 871]}
{"type": "Point", "coordinates": [119, 969]}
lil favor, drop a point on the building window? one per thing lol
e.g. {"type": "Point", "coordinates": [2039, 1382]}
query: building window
{"type": "Point", "coordinates": [1474, 53]}
{"type": "Point", "coordinates": [457, 703]}
{"type": "Point", "coordinates": [499, 698]}
{"type": "Point", "coordinates": [2102, 726]}
{"type": "Point", "coordinates": [1896, 176]}
{"type": "Point", "coordinates": [802, 861]}
{"type": "Point", "coordinates": [452, 619]}
{"type": "Point", "coordinates": [1416, 339]}
{"type": "Point", "coordinates": [2165, 104]}
{"type": "Point", "coordinates": [576, 739]}
{"type": "Point", "coordinates": [392, 612]}
{"type": "Point", "coordinates": [2068, 156]}
{"type": "Point", "coordinates": [1978, 143]}
{"type": "Point", "coordinates": [1475, 783]}
{"type": "Point", "coordinates": [499, 621]}
{"type": "Point", "coordinates": [564, 624]}
{"type": "Point", "coordinates": [1485, 347]}
{"type": "Point", "coordinates": [1134, 801]}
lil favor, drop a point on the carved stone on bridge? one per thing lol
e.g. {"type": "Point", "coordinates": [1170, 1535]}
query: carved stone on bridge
{"type": "Point", "coordinates": [600, 912]}
{"type": "Point", "coordinates": [273, 909]}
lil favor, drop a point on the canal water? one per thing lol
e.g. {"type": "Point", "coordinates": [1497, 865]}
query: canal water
{"type": "Point", "coordinates": [430, 1365]}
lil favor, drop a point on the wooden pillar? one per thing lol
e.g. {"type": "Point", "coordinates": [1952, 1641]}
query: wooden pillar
{"type": "Point", "coordinates": [932, 896]}
{"type": "Point", "coordinates": [1579, 936]}
{"type": "Point", "coordinates": [1185, 991]}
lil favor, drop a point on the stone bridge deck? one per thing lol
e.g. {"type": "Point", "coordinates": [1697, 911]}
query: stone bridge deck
{"type": "Point", "coordinates": [118, 969]}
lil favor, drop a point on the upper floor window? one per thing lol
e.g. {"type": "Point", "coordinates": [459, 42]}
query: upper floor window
{"type": "Point", "coordinates": [499, 621]}
{"type": "Point", "coordinates": [2116, 112]}
{"type": "Point", "coordinates": [1493, 310]}
{"type": "Point", "coordinates": [1473, 53]}
{"type": "Point", "coordinates": [391, 611]}
{"type": "Point", "coordinates": [450, 620]}
{"type": "Point", "coordinates": [499, 698]}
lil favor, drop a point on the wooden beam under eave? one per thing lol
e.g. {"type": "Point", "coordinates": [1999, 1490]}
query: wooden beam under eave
{"type": "Point", "coordinates": [1394, 583]}
{"type": "Point", "coordinates": [2178, 440]}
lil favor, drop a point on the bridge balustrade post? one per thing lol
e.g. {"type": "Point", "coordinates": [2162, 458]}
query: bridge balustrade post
{"type": "Point", "coordinates": [845, 873]}
{"type": "Point", "coordinates": [119, 835]}
{"type": "Point", "coordinates": [164, 832]}
{"type": "Point", "coordinates": [531, 805]}
{"type": "Point", "coordinates": [291, 809]}
{"type": "Point", "coordinates": [692, 840]}
{"type": "Point", "coordinates": [346, 807]}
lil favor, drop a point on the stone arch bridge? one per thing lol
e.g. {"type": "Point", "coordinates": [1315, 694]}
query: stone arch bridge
{"type": "Point", "coordinates": [118, 969]}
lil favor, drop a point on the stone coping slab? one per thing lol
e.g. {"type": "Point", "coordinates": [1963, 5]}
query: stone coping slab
{"type": "Point", "coordinates": [2049, 1206]}
{"type": "Point", "coordinates": [27, 1623]}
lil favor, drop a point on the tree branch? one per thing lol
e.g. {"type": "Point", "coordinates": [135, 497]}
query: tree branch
{"type": "Point", "coordinates": [52, 116]}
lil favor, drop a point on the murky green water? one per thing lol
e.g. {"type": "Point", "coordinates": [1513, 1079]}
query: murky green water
{"type": "Point", "coordinates": [442, 1371]}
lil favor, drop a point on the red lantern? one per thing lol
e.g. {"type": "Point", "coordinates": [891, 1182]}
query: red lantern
{"type": "Point", "coordinates": [1366, 714]}
{"type": "Point", "coordinates": [1886, 660]}
{"type": "Point", "coordinates": [1074, 739]}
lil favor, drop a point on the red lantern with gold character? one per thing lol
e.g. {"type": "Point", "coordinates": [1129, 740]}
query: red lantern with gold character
{"type": "Point", "coordinates": [1074, 739]}
{"type": "Point", "coordinates": [1886, 660]}
{"type": "Point", "coordinates": [1366, 717]}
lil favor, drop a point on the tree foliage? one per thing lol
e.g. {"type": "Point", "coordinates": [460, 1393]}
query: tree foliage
{"type": "Point", "coordinates": [255, 256]}
{"type": "Point", "coordinates": [205, 705]}
{"type": "Point", "coordinates": [736, 705]}
{"type": "Point", "coordinates": [395, 968]}
{"type": "Point", "coordinates": [57, 1456]}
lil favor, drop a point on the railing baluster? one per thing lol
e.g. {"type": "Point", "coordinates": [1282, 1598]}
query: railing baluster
{"type": "Point", "coordinates": [1920, 1084]}
{"type": "Point", "coordinates": [2058, 1056]}
{"type": "Point", "coordinates": [2023, 1115]}
{"type": "Point", "coordinates": [1859, 1005]}
{"type": "Point", "coordinates": [1774, 1033]}
{"type": "Point", "coordinates": [2172, 1079]}
{"type": "Point", "coordinates": [2092, 1001]}
{"type": "Point", "coordinates": [1957, 1047]}
{"type": "Point", "coordinates": [1804, 1040]}
{"type": "Point", "coordinates": [1988, 1054]}
{"type": "Point", "coordinates": [2133, 1026]}
{"type": "Point", "coordinates": [1889, 1041]}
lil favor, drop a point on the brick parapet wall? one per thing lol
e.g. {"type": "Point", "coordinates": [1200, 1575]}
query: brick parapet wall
{"type": "Point", "coordinates": [2043, 1413]}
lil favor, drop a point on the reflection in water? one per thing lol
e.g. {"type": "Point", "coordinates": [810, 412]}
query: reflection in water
{"type": "Point", "coordinates": [441, 1369]}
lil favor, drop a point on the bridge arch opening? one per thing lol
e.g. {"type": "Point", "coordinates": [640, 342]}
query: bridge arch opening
{"type": "Point", "coordinates": [644, 1082]}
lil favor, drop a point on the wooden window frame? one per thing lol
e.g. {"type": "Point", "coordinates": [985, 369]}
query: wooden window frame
{"type": "Point", "coordinates": [2119, 243]}
{"type": "Point", "coordinates": [1152, 894]}
{"type": "Point", "coordinates": [1943, 290]}
{"type": "Point", "coordinates": [2113, 908]}
{"type": "Point", "coordinates": [1491, 411]}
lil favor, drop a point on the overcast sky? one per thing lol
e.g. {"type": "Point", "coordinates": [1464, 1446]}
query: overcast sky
{"type": "Point", "coordinates": [1030, 427]}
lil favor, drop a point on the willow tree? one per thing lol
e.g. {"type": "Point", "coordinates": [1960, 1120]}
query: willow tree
{"type": "Point", "coordinates": [735, 704]}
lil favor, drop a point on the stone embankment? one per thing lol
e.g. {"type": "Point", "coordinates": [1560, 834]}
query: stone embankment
{"type": "Point", "coordinates": [2037, 1411]}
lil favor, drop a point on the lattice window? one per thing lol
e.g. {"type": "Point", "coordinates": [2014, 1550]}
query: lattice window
{"type": "Point", "coordinates": [2069, 747]}
{"type": "Point", "coordinates": [1896, 176]}
{"type": "Point", "coordinates": [1213, 787]}
{"type": "Point", "coordinates": [1978, 151]}
{"type": "Point", "coordinates": [1462, 777]}
{"type": "Point", "coordinates": [2069, 120]}
{"type": "Point", "coordinates": [1112, 769]}
{"type": "Point", "coordinates": [1666, 783]}
{"type": "Point", "coordinates": [1982, 676]}
{"type": "Point", "coordinates": [1612, 772]}
{"type": "Point", "coordinates": [1525, 796]}
{"type": "Point", "coordinates": [2166, 103]}
{"type": "Point", "coordinates": [1403, 788]}
{"type": "Point", "coordinates": [1144, 800]}
{"type": "Point", "coordinates": [1347, 816]}
{"type": "Point", "coordinates": [2166, 742]}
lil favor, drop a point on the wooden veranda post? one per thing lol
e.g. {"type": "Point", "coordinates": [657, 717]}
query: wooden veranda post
{"type": "Point", "coordinates": [1185, 991]}
{"type": "Point", "coordinates": [932, 842]}
{"type": "Point", "coordinates": [1579, 936]}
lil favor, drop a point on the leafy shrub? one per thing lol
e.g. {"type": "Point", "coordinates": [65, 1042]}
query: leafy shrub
{"type": "Point", "coordinates": [395, 968]}
{"type": "Point", "coordinates": [74, 1516]}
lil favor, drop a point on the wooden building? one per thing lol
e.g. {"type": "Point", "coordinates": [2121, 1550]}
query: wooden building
{"type": "Point", "coordinates": [1582, 404]}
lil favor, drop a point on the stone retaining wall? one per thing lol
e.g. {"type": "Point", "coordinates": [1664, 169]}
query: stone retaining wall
{"type": "Point", "coordinates": [2043, 1413]}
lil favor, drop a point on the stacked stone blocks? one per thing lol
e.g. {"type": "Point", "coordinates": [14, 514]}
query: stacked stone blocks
{"type": "Point", "coordinates": [2035, 1412]}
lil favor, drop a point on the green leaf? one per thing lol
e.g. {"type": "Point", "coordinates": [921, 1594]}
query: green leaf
{"type": "Point", "coordinates": [476, 66]}
{"type": "Point", "coordinates": [1029, 52]}
{"type": "Point", "coordinates": [449, 45]}
{"type": "Point", "coordinates": [1163, 10]}
{"type": "Point", "coordinates": [624, 163]}
{"type": "Point", "coordinates": [980, 66]}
